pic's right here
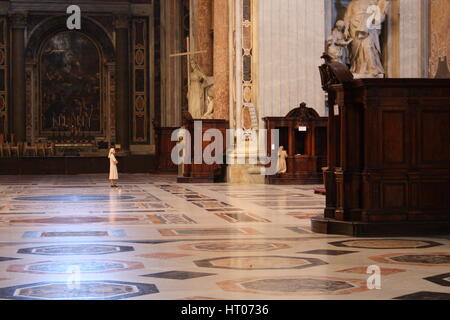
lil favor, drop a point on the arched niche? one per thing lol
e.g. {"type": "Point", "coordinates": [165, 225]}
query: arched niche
{"type": "Point", "coordinates": [59, 24]}
{"type": "Point", "coordinates": [79, 105]}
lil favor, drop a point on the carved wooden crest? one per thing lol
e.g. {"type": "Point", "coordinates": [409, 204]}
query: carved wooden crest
{"type": "Point", "coordinates": [303, 113]}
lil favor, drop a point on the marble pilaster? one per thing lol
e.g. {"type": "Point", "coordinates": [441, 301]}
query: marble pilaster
{"type": "Point", "coordinates": [122, 83]}
{"type": "Point", "coordinates": [18, 24]}
{"type": "Point", "coordinates": [221, 60]}
{"type": "Point", "coordinates": [202, 26]}
{"type": "Point", "coordinates": [439, 37]}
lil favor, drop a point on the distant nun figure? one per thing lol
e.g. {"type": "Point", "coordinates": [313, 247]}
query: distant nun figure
{"type": "Point", "coordinates": [113, 175]}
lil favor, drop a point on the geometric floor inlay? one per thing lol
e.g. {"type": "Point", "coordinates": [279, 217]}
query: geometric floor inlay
{"type": "Point", "coordinates": [386, 244]}
{"type": "Point", "coordinates": [68, 234]}
{"type": "Point", "coordinates": [7, 259]}
{"type": "Point", "coordinates": [77, 220]}
{"type": "Point", "coordinates": [207, 231]}
{"type": "Point", "coordinates": [441, 279]}
{"type": "Point", "coordinates": [163, 255]}
{"type": "Point", "coordinates": [75, 249]}
{"type": "Point", "coordinates": [259, 263]}
{"type": "Point", "coordinates": [296, 285]}
{"type": "Point", "coordinates": [298, 230]}
{"type": "Point", "coordinates": [64, 267]}
{"type": "Point", "coordinates": [327, 252]}
{"type": "Point", "coordinates": [92, 290]}
{"type": "Point", "coordinates": [73, 198]}
{"type": "Point", "coordinates": [425, 295]}
{"type": "Point", "coordinates": [178, 275]}
{"type": "Point", "coordinates": [235, 217]}
{"type": "Point", "coordinates": [73, 237]}
{"type": "Point", "coordinates": [363, 270]}
{"type": "Point", "coordinates": [429, 259]}
{"type": "Point", "coordinates": [237, 246]}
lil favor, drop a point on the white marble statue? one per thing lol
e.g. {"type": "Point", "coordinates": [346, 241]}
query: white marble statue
{"type": "Point", "coordinates": [196, 92]}
{"type": "Point", "coordinates": [337, 44]}
{"type": "Point", "coordinates": [209, 114]}
{"type": "Point", "coordinates": [363, 23]}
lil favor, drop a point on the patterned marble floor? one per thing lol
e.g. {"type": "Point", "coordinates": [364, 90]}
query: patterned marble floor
{"type": "Point", "coordinates": [73, 237]}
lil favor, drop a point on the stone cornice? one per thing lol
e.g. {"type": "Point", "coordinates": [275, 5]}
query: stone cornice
{"type": "Point", "coordinates": [58, 6]}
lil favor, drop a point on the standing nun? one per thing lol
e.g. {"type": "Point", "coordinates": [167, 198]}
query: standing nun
{"type": "Point", "coordinates": [113, 175]}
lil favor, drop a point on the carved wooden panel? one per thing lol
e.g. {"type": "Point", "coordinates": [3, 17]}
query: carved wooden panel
{"type": "Point", "coordinates": [393, 141]}
{"type": "Point", "coordinates": [434, 194]}
{"type": "Point", "coordinates": [434, 134]}
{"type": "Point", "coordinates": [164, 149]}
{"type": "Point", "coordinates": [394, 195]}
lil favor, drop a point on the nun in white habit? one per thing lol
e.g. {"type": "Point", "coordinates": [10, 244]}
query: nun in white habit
{"type": "Point", "coordinates": [113, 175]}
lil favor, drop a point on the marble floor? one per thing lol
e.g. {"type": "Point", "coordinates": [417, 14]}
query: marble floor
{"type": "Point", "coordinates": [74, 237]}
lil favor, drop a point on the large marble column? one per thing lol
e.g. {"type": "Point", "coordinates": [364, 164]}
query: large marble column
{"type": "Point", "coordinates": [122, 83]}
{"type": "Point", "coordinates": [18, 24]}
{"type": "Point", "coordinates": [202, 25]}
{"type": "Point", "coordinates": [221, 60]}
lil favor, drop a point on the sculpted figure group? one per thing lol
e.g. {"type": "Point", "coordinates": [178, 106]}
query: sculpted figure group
{"type": "Point", "coordinates": [201, 93]}
{"type": "Point", "coordinates": [355, 41]}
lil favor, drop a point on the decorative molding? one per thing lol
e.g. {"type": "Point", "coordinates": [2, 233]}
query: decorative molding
{"type": "Point", "coordinates": [247, 113]}
{"type": "Point", "coordinates": [140, 80]}
{"type": "Point", "coordinates": [61, 6]}
{"type": "Point", "coordinates": [111, 101]}
{"type": "Point", "coordinates": [4, 63]}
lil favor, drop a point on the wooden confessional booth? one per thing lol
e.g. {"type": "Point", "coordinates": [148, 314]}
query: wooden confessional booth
{"type": "Point", "coordinates": [202, 172]}
{"type": "Point", "coordinates": [388, 167]}
{"type": "Point", "coordinates": [303, 134]}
